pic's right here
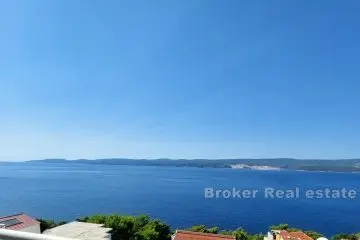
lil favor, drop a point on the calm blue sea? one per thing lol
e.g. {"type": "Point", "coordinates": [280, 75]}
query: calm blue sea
{"type": "Point", "coordinates": [176, 195]}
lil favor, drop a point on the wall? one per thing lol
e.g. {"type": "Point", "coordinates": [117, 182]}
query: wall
{"type": "Point", "coordinates": [32, 229]}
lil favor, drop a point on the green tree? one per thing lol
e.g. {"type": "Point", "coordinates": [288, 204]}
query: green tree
{"type": "Point", "coordinates": [155, 230]}
{"type": "Point", "coordinates": [241, 234]}
{"type": "Point", "coordinates": [226, 232]}
{"type": "Point", "coordinates": [141, 221]}
{"type": "Point", "coordinates": [314, 235]}
{"type": "Point", "coordinates": [282, 226]}
{"type": "Point", "coordinates": [213, 230]}
{"type": "Point", "coordinates": [132, 228]}
{"type": "Point", "coordinates": [258, 236]}
{"type": "Point", "coordinates": [148, 232]}
{"type": "Point", "coordinates": [344, 236]}
{"type": "Point", "coordinates": [198, 228]}
{"type": "Point", "coordinates": [203, 229]}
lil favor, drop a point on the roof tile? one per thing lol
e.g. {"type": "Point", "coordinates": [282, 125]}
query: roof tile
{"type": "Point", "coordinates": [187, 235]}
{"type": "Point", "coordinates": [25, 220]}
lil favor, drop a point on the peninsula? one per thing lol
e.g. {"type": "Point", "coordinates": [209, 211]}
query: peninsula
{"type": "Point", "coordinates": [340, 165]}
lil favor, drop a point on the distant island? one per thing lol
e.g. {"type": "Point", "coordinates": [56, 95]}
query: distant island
{"type": "Point", "coordinates": [340, 165]}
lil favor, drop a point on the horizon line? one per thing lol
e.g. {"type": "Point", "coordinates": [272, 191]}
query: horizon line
{"type": "Point", "coordinates": [188, 159]}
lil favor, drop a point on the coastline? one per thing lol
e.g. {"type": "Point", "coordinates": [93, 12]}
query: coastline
{"type": "Point", "coordinates": [255, 167]}
{"type": "Point", "coordinates": [337, 166]}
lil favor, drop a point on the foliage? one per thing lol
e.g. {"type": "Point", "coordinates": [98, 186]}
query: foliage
{"type": "Point", "coordinates": [47, 224]}
{"type": "Point", "coordinates": [314, 235]}
{"type": "Point", "coordinates": [144, 228]}
{"type": "Point", "coordinates": [345, 236]}
{"type": "Point", "coordinates": [226, 232]}
{"type": "Point", "coordinates": [203, 229]}
{"type": "Point", "coordinates": [241, 234]}
{"type": "Point", "coordinates": [282, 226]}
{"type": "Point", "coordinates": [154, 230]}
{"type": "Point", "coordinates": [132, 228]}
{"type": "Point", "coordinates": [213, 230]}
{"type": "Point", "coordinates": [258, 236]}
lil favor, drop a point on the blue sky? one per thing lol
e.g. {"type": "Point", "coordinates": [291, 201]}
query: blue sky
{"type": "Point", "coordinates": [179, 79]}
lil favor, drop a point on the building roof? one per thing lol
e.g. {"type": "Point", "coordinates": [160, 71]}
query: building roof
{"type": "Point", "coordinates": [80, 230]}
{"type": "Point", "coordinates": [294, 235]}
{"type": "Point", "coordinates": [17, 221]}
{"type": "Point", "coordinates": [187, 235]}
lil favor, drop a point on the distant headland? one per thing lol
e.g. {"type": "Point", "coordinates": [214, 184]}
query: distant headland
{"type": "Point", "coordinates": [339, 165]}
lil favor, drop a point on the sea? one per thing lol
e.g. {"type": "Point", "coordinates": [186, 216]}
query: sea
{"type": "Point", "coordinates": [183, 197]}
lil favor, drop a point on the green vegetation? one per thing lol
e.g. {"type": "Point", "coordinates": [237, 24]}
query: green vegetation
{"type": "Point", "coordinates": [313, 234]}
{"type": "Point", "coordinates": [239, 233]}
{"type": "Point", "coordinates": [340, 236]}
{"type": "Point", "coordinates": [282, 226]}
{"type": "Point", "coordinates": [47, 224]}
{"type": "Point", "coordinates": [203, 229]}
{"type": "Point", "coordinates": [144, 228]}
{"type": "Point", "coordinates": [132, 228]}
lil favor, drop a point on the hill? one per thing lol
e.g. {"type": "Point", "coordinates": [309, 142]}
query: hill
{"type": "Point", "coordinates": [341, 165]}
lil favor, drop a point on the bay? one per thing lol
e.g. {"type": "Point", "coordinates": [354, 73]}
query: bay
{"type": "Point", "coordinates": [176, 195]}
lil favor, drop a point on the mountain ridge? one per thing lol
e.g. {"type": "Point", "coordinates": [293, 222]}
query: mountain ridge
{"type": "Point", "coordinates": [338, 165]}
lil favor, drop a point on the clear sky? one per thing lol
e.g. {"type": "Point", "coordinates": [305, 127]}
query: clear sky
{"type": "Point", "coordinates": [179, 79]}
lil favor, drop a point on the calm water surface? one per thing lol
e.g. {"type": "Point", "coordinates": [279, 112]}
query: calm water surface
{"type": "Point", "coordinates": [176, 195]}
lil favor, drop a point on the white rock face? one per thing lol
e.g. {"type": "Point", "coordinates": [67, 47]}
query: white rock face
{"type": "Point", "coordinates": [245, 166]}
